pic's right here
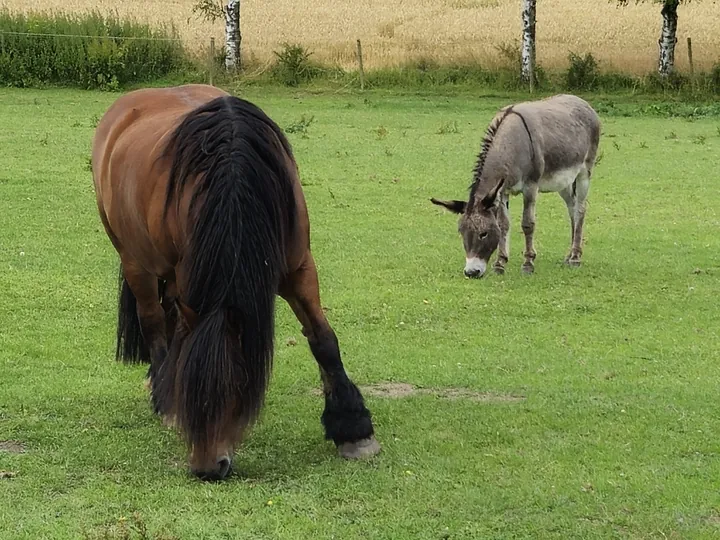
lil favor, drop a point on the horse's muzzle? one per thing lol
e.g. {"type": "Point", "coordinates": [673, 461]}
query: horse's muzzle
{"type": "Point", "coordinates": [219, 472]}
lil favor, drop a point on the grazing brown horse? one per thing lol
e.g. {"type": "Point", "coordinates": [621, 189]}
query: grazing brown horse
{"type": "Point", "coordinates": [200, 195]}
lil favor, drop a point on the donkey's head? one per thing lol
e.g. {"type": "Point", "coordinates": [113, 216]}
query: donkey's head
{"type": "Point", "coordinates": [478, 227]}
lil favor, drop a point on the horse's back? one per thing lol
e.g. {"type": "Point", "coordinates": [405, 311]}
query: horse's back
{"type": "Point", "coordinates": [128, 171]}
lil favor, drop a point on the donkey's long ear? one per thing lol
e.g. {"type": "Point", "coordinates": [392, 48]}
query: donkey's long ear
{"type": "Point", "coordinates": [490, 199]}
{"type": "Point", "coordinates": [454, 206]}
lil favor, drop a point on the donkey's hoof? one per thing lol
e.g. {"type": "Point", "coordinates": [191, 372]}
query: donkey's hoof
{"type": "Point", "coordinates": [528, 269]}
{"type": "Point", "coordinates": [573, 263]}
{"type": "Point", "coordinates": [499, 270]}
{"type": "Point", "coordinates": [362, 449]}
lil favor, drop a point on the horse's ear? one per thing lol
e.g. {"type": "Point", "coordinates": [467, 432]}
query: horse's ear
{"type": "Point", "coordinates": [188, 315]}
{"type": "Point", "coordinates": [454, 206]}
{"type": "Point", "coordinates": [489, 199]}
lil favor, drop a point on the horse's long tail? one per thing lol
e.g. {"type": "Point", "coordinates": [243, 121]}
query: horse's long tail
{"type": "Point", "coordinates": [130, 346]}
{"type": "Point", "coordinates": [243, 213]}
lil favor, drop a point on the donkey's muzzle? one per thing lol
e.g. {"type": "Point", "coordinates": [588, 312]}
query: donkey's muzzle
{"type": "Point", "coordinates": [475, 267]}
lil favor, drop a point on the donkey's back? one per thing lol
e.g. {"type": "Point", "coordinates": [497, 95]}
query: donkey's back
{"type": "Point", "coordinates": [565, 133]}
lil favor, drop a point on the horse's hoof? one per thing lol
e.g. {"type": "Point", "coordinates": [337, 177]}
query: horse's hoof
{"type": "Point", "coordinates": [362, 449]}
{"type": "Point", "coordinates": [499, 270]}
{"type": "Point", "coordinates": [528, 269]}
{"type": "Point", "coordinates": [169, 421]}
{"type": "Point", "coordinates": [148, 384]}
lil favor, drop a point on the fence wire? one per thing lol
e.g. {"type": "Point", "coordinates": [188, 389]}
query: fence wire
{"type": "Point", "coordinates": [129, 38]}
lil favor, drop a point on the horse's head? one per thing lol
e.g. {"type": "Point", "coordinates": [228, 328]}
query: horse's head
{"type": "Point", "coordinates": [207, 392]}
{"type": "Point", "coordinates": [479, 229]}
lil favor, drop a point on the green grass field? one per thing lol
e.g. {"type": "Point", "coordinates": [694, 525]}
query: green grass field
{"type": "Point", "coordinates": [574, 403]}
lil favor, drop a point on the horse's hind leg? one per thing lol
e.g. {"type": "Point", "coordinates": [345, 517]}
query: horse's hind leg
{"type": "Point", "coordinates": [151, 317]}
{"type": "Point", "coordinates": [345, 418]}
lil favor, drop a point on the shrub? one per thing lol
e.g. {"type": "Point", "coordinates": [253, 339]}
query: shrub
{"type": "Point", "coordinates": [675, 81]}
{"type": "Point", "coordinates": [293, 65]}
{"type": "Point", "coordinates": [51, 48]}
{"type": "Point", "coordinates": [582, 73]}
{"type": "Point", "coordinates": [714, 79]}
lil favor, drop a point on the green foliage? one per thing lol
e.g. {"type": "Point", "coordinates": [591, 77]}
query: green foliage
{"type": "Point", "coordinates": [293, 65]}
{"type": "Point", "coordinates": [209, 10]}
{"type": "Point", "coordinates": [45, 48]}
{"type": "Point", "coordinates": [714, 79]}
{"type": "Point", "coordinates": [582, 73]}
{"type": "Point", "coordinates": [300, 126]}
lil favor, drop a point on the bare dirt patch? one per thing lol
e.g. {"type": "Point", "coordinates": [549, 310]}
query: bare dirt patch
{"type": "Point", "coordinates": [398, 390]}
{"type": "Point", "coordinates": [12, 447]}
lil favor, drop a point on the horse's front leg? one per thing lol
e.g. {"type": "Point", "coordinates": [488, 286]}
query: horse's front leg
{"type": "Point", "coordinates": [152, 319]}
{"type": "Point", "coordinates": [346, 419]}
{"type": "Point", "coordinates": [528, 227]}
{"type": "Point", "coordinates": [503, 219]}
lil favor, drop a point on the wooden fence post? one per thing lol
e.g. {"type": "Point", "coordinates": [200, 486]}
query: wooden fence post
{"type": "Point", "coordinates": [212, 59]}
{"type": "Point", "coordinates": [360, 62]}
{"type": "Point", "coordinates": [690, 58]}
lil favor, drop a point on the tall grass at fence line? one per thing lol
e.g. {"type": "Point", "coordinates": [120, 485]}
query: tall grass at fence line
{"type": "Point", "coordinates": [88, 50]}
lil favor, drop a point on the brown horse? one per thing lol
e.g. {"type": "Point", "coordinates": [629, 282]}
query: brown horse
{"type": "Point", "coordinates": [200, 195]}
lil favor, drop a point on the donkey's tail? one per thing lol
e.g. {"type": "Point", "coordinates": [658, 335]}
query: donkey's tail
{"type": "Point", "coordinates": [131, 347]}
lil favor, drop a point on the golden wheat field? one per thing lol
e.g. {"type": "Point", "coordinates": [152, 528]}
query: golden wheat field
{"type": "Point", "coordinates": [396, 31]}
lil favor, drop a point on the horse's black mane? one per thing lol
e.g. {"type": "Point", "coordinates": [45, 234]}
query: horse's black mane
{"type": "Point", "coordinates": [238, 154]}
{"type": "Point", "coordinates": [241, 169]}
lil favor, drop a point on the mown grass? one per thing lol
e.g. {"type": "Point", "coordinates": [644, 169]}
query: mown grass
{"type": "Point", "coordinates": [617, 434]}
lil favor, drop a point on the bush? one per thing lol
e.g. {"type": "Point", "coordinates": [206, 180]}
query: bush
{"type": "Point", "coordinates": [582, 73]}
{"type": "Point", "coordinates": [714, 79]}
{"type": "Point", "coordinates": [44, 48]}
{"type": "Point", "coordinates": [675, 81]}
{"type": "Point", "coordinates": [293, 65]}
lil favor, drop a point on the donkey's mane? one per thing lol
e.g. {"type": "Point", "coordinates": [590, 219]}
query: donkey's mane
{"type": "Point", "coordinates": [486, 145]}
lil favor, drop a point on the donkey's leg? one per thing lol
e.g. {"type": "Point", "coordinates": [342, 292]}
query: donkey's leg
{"type": "Point", "coordinates": [582, 187]}
{"type": "Point", "coordinates": [346, 419]}
{"type": "Point", "coordinates": [152, 317]}
{"type": "Point", "coordinates": [528, 227]}
{"type": "Point", "coordinates": [503, 218]}
{"type": "Point", "coordinates": [568, 195]}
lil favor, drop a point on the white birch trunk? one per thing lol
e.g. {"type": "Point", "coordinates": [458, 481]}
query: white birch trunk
{"type": "Point", "coordinates": [528, 43]}
{"type": "Point", "coordinates": [668, 37]}
{"type": "Point", "coordinates": [232, 35]}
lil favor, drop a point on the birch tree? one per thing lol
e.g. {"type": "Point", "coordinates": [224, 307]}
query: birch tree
{"type": "Point", "coordinates": [528, 43]}
{"type": "Point", "coordinates": [232, 35]}
{"type": "Point", "coordinates": [212, 10]}
{"type": "Point", "coordinates": [668, 33]}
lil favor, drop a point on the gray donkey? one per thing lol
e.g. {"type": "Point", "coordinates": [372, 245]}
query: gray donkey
{"type": "Point", "coordinates": [537, 146]}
